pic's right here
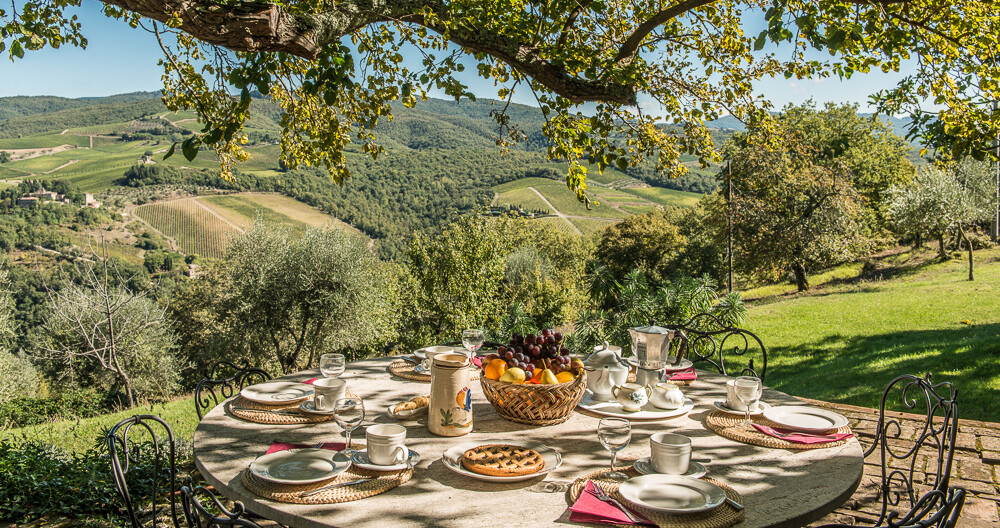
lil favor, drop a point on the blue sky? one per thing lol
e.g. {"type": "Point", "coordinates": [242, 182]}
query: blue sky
{"type": "Point", "coordinates": [119, 59]}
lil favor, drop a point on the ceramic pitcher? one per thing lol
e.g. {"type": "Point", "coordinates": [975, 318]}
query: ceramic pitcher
{"type": "Point", "coordinates": [451, 396]}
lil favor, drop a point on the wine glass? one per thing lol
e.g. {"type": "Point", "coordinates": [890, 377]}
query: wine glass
{"type": "Point", "coordinates": [472, 340]}
{"type": "Point", "coordinates": [748, 389]}
{"type": "Point", "coordinates": [332, 365]}
{"type": "Point", "coordinates": [614, 434]}
{"type": "Point", "coordinates": [349, 413]}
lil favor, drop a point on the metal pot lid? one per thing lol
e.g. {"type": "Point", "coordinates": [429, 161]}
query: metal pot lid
{"type": "Point", "coordinates": [653, 330]}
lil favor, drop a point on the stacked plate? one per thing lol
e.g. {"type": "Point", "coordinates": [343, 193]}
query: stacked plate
{"type": "Point", "coordinates": [277, 392]}
{"type": "Point", "coordinates": [805, 419]}
{"type": "Point", "coordinates": [672, 494]}
{"type": "Point", "coordinates": [300, 466]}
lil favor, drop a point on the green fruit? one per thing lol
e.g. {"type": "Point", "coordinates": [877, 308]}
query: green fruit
{"type": "Point", "coordinates": [513, 375]}
{"type": "Point", "coordinates": [548, 378]}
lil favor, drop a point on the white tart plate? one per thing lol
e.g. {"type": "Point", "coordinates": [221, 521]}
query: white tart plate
{"type": "Point", "coordinates": [805, 419]}
{"type": "Point", "coordinates": [671, 494]}
{"type": "Point", "coordinates": [761, 407]}
{"type": "Point", "coordinates": [645, 466]}
{"type": "Point", "coordinates": [647, 412]}
{"type": "Point", "coordinates": [452, 460]}
{"type": "Point", "coordinates": [683, 365]}
{"type": "Point", "coordinates": [300, 466]}
{"type": "Point", "coordinates": [277, 392]}
{"type": "Point", "coordinates": [360, 459]}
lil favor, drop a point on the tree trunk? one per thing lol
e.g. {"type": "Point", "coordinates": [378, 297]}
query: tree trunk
{"type": "Point", "coordinates": [968, 242]}
{"type": "Point", "coordinates": [941, 252]}
{"type": "Point", "coordinates": [801, 280]}
{"type": "Point", "coordinates": [918, 242]}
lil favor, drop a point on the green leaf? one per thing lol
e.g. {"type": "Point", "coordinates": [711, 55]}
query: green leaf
{"type": "Point", "coordinates": [16, 50]}
{"type": "Point", "coordinates": [171, 151]}
{"type": "Point", "coordinates": [761, 40]}
{"type": "Point", "coordinates": [190, 148]}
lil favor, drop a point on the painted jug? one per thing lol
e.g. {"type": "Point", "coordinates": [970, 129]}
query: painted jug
{"type": "Point", "coordinates": [451, 396]}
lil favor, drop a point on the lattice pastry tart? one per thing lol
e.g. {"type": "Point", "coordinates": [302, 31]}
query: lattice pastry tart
{"type": "Point", "coordinates": [502, 460]}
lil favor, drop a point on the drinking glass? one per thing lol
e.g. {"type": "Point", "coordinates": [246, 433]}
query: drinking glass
{"type": "Point", "coordinates": [748, 389]}
{"type": "Point", "coordinates": [332, 365]}
{"type": "Point", "coordinates": [614, 434]}
{"type": "Point", "coordinates": [349, 413]}
{"type": "Point", "coordinates": [472, 340]}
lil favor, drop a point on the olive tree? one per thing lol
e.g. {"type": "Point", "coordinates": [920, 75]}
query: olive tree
{"type": "Point", "coordinates": [293, 298]}
{"type": "Point", "coordinates": [335, 67]}
{"type": "Point", "coordinates": [18, 377]}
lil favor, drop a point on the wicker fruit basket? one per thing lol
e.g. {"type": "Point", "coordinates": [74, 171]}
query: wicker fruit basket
{"type": "Point", "coordinates": [533, 404]}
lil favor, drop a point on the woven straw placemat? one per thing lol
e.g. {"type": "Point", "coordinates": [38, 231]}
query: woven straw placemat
{"type": "Point", "coordinates": [263, 416]}
{"type": "Point", "coordinates": [404, 369]}
{"type": "Point", "coordinates": [735, 427]}
{"type": "Point", "coordinates": [631, 379]}
{"type": "Point", "coordinates": [384, 481]}
{"type": "Point", "coordinates": [722, 517]}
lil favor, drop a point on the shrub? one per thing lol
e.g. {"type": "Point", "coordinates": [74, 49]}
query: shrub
{"type": "Point", "coordinates": [17, 376]}
{"type": "Point", "coordinates": [24, 411]}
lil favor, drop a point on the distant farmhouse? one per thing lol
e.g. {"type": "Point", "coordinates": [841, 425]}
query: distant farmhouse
{"type": "Point", "coordinates": [41, 195]}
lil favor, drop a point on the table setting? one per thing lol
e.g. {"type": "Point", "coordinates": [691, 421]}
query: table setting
{"type": "Point", "coordinates": [677, 477]}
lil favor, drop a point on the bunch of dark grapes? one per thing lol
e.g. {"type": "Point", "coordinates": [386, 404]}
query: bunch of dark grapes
{"type": "Point", "coordinates": [529, 352]}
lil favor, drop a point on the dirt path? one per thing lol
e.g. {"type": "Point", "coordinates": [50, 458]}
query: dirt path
{"type": "Point", "coordinates": [217, 215]}
{"type": "Point", "coordinates": [64, 132]}
{"type": "Point", "coordinates": [23, 154]}
{"type": "Point", "coordinates": [558, 213]}
{"type": "Point", "coordinates": [130, 211]}
{"type": "Point", "coordinates": [67, 164]}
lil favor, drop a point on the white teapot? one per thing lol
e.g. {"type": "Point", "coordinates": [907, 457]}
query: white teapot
{"type": "Point", "coordinates": [667, 396]}
{"type": "Point", "coordinates": [605, 370]}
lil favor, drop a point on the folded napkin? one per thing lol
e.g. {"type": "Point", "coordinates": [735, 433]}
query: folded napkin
{"type": "Point", "coordinates": [688, 374]}
{"type": "Point", "coordinates": [801, 438]}
{"type": "Point", "coordinates": [477, 361]}
{"type": "Point", "coordinates": [281, 446]}
{"type": "Point", "coordinates": [589, 509]}
{"type": "Point", "coordinates": [310, 381]}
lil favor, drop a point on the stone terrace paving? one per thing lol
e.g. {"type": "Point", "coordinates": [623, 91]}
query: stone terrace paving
{"type": "Point", "coordinates": [976, 467]}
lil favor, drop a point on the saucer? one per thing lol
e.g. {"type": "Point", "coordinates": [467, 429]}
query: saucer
{"type": "Point", "coordinates": [645, 466]}
{"type": "Point", "coordinates": [761, 407]}
{"type": "Point", "coordinates": [309, 407]}
{"type": "Point", "coordinates": [360, 459]}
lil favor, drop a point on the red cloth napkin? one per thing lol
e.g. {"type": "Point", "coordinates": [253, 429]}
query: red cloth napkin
{"type": "Point", "coordinates": [589, 509]}
{"type": "Point", "coordinates": [310, 381]}
{"type": "Point", "coordinates": [688, 374]}
{"type": "Point", "coordinates": [281, 446]}
{"type": "Point", "coordinates": [477, 361]}
{"type": "Point", "coordinates": [801, 438]}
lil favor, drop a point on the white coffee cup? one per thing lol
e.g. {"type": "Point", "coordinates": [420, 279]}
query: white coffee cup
{"type": "Point", "coordinates": [327, 391]}
{"type": "Point", "coordinates": [670, 453]}
{"type": "Point", "coordinates": [386, 444]}
{"type": "Point", "coordinates": [432, 351]}
{"type": "Point", "coordinates": [733, 401]}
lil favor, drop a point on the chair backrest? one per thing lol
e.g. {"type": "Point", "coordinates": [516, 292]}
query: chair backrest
{"type": "Point", "coordinates": [223, 382]}
{"type": "Point", "coordinates": [906, 452]}
{"type": "Point", "coordinates": [198, 516]}
{"type": "Point", "coordinates": [731, 350]}
{"type": "Point", "coordinates": [131, 440]}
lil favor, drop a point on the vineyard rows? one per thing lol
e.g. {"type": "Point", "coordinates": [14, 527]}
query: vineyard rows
{"type": "Point", "coordinates": [195, 229]}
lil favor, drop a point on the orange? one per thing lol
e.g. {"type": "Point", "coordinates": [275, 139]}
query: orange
{"type": "Point", "coordinates": [495, 368]}
{"type": "Point", "coordinates": [536, 376]}
{"type": "Point", "coordinates": [564, 376]}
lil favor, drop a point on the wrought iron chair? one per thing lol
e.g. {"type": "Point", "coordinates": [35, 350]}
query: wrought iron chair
{"type": "Point", "coordinates": [708, 337]}
{"type": "Point", "coordinates": [215, 388]}
{"type": "Point", "coordinates": [155, 435]}
{"type": "Point", "coordinates": [902, 460]}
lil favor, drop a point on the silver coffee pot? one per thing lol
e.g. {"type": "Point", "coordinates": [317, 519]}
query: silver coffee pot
{"type": "Point", "coordinates": [651, 348]}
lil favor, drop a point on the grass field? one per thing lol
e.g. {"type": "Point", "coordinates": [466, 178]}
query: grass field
{"type": "Point", "coordinates": [664, 196]}
{"type": "Point", "coordinates": [195, 229]}
{"type": "Point", "coordinates": [588, 226]}
{"type": "Point", "coordinates": [846, 340]}
{"type": "Point", "coordinates": [43, 141]}
{"type": "Point", "coordinates": [525, 198]}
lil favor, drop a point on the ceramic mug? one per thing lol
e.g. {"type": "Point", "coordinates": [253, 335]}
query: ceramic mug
{"type": "Point", "coordinates": [432, 351]}
{"type": "Point", "coordinates": [632, 396]}
{"type": "Point", "coordinates": [667, 396]}
{"type": "Point", "coordinates": [670, 453]}
{"type": "Point", "coordinates": [327, 391]}
{"type": "Point", "coordinates": [733, 401]}
{"type": "Point", "coordinates": [386, 444]}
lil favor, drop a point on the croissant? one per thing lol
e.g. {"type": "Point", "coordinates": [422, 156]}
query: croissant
{"type": "Point", "coordinates": [413, 404]}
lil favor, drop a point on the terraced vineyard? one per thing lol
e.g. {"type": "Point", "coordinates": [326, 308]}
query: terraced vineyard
{"type": "Point", "coordinates": [193, 226]}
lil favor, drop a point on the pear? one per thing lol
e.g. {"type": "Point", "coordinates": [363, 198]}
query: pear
{"type": "Point", "coordinates": [513, 375]}
{"type": "Point", "coordinates": [548, 378]}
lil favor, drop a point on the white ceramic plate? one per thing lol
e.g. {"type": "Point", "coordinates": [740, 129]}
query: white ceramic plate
{"type": "Point", "coordinates": [805, 419]}
{"type": "Point", "coordinates": [406, 414]}
{"type": "Point", "coordinates": [645, 466]}
{"type": "Point", "coordinates": [671, 494]}
{"type": "Point", "coordinates": [647, 412]}
{"type": "Point", "coordinates": [761, 407]}
{"type": "Point", "coordinates": [277, 392]}
{"type": "Point", "coordinates": [453, 460]}
{"type": "Point", "coordinates": [300, 466]}
{"type": "Point", "coordinates": [420, 352]}
{"type": "Point", "coordinates": [309, 407]}
{"type": "Point", "coordinates": [360, 459]}
{"type": "Point", "coordinates": [684, 364]}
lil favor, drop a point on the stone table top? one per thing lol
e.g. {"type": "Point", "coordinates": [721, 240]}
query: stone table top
{"type": "Point", "coordinates": [779, 487]}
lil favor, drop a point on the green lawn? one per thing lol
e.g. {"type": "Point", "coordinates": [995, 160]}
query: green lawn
{"type": "Point", "coordinates": [664, 196]}
{"type": "Point", "coordinates": [78, 436]}
{"type": "Point", "coordinates": [846, 341]}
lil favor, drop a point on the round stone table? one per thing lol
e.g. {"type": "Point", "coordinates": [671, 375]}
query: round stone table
{"type": "Point", "coordinates": [779, 487]}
